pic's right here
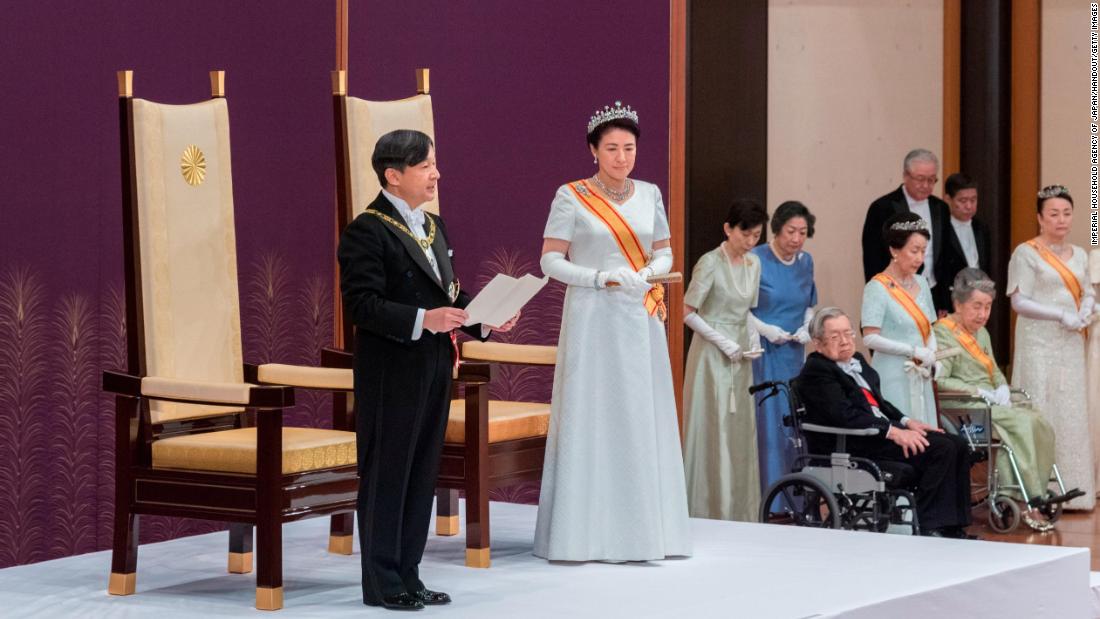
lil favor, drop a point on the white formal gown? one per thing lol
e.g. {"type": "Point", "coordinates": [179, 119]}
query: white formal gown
{"type": "Point", "coordinates": [1049, 363]}
{"type": "Point", "coordinates": [613, 480]}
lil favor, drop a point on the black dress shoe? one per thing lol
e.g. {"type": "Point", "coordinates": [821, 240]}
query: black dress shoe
{"type": "Point", "coordinates": [432, 598]}
{"type": "Point", "coordinates": [401, 601]}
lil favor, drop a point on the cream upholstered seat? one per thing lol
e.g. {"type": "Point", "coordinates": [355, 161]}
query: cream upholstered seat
{"type": "Point", "coordinates": [508, 421]}
{"type": "Point", "coordinates": [511, 435]}
{"type": "Point", "coordinates": [200, 433]}
{"type": "Point", "coordinates": [234, 451]}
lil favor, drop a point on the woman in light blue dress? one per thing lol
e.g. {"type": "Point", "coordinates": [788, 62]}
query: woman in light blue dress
{"type": "Point", "coordinates": [897, 319]}
{"type": "Point", "coordinates": [782, 316]}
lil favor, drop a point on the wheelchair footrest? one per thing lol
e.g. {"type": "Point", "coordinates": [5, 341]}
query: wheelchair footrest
{"type": "Point", "coordinates": [1054, 500]}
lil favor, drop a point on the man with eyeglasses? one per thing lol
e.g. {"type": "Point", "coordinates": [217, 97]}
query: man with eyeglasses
{"type": "Point", "coordinates": [840, 389]}
{"type": "Point", "coordinates": [919, 178]}
{"type": "Point", "coordinates": [965, 242]}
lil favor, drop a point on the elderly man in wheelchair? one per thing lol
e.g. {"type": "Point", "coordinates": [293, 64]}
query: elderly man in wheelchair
{"type": "Point", "coordinates": [996, 420]}
{"type": "Point", "coordinates": [875, 451]}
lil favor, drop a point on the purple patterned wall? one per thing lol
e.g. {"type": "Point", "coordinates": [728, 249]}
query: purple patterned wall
{"type": "Point", "coordinates": [514, 83]}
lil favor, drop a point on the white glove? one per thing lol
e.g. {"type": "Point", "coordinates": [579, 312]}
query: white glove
{"type": "Point", "coordinates": [887, 346]}
{"type": "Point", "coordinates": [726, 345]}
{"type": "Point", "coordinates": [630, 281]}
{"type": "Point", "coordinates": [802, 334]}
{"type": "Point", "coordinates": [990, 397]}
{"type": "Point", "coordinates": [660, 263]}
{"type": "Point", "coordinates": [555, 265]}
{"type": "Point", "coordinates": [774, 334]}
{"type": "Point", "coordinates": [1026, 306]}
{"type": "Point", "coordinates": [926, 356]}
{"type": "Point", "coordinates": [1072, 321]}
{"type": "Point", "coordinates": [1003, 395]}
{"type": "Point", "coordinates": [1088, 306]}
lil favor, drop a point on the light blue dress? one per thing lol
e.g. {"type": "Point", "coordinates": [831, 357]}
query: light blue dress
{"type": "Point", "coordinates": [906, 390]}
{"type": "Point", "coordinates": [786, 291]}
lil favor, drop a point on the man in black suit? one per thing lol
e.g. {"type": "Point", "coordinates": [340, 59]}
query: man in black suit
{"type": "Point", "coordinates": [919, 172]}
{"type": "Point", "coordinates": [839, 388]}
{"type": "Point", "coordinates": [965, 240]}
{"type": "Point", "coordinates": [400, 290]}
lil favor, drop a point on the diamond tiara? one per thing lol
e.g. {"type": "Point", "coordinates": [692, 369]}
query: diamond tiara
{"type": "Point", "coordinates": [611, 113]}
{"type": "Point", "coordinates": [909, 225]}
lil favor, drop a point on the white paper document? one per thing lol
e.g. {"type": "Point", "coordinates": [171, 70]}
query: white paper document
{"type": "Point", "coordinates": [501, 298]}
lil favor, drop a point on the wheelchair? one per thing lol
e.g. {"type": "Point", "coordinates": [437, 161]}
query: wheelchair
{"type": "Point", "coordinates": [838, 490]}
{"type": "Point", "coordinates": [971, 417]}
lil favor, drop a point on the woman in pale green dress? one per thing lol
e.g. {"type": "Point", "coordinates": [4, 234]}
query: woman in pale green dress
{"type": "Point", "coordinates": [720, 455]}
{"type": "Point", "coordinates": [974, 371]}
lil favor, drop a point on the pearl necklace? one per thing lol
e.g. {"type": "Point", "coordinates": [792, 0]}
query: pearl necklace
{"type": "Point", "coordinates": [744, 292]}
{"type": "Point", "coordinates": [618, 196]}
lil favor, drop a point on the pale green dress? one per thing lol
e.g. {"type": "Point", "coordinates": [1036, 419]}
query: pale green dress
{"type": "Point", "coordinates": [1021, 428]}
{"type": "Point", "coordinates": [720, 455]}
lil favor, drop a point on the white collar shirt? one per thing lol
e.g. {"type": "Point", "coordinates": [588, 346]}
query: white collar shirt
{"type": "Point", "coordinates": [964, 230]}
{"type": "Point", "coordinates": [414, 219]}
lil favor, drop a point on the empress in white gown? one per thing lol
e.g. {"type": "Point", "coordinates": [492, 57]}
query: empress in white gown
{"type": "Point", "coordinates": [1049, 364]}
{"type": "Point", "coordinates": [613, 480]}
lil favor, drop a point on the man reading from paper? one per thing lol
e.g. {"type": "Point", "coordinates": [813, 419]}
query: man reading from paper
{"type": "Point", "coordinates": [400, 289]}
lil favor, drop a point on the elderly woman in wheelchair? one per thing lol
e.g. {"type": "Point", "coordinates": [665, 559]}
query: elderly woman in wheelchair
{"type": "Point", "coordinates": [975, 396]}
{"type": "Point", "coordinates": [876, 454]}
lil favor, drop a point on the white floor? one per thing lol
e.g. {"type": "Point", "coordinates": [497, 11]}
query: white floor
{"type": "Point", "coordinates": [739, 570]}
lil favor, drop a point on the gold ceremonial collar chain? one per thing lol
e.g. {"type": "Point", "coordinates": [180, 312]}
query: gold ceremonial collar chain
{"type": "Point", "coordinates": [424, 243]}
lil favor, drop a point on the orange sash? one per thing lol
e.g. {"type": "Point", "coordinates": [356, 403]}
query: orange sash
{"type": "Point", "coordinates": [970, 343]}
{"type": "Point", "coordinates": [625, 237]}
{"type": "Point", "coordinates": [1068, 278]}
{"type": "Point", "coordinates": [907, 302]}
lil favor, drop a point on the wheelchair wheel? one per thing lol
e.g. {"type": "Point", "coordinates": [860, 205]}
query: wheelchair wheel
{"type": "Point", "coordinates": [801, 500]}
{"type": "Point", "coordinates": [1004, 514]}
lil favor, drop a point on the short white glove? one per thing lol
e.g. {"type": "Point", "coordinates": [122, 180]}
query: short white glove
{"type": "Point", "coordinates": [630, 281]}
{"type": "Point", "coordinates": [1088, 307]}
{"type": "Point", "coordinates": [772, 333]}
{"type": "Point", "coordinates": [724, 344]}
{"type": "Point", "coordinates": [1003, 395]}
{"type": "Point", "coordinates": [1071, 321]}
{"type": "Point", "coordinates": [926, 356]}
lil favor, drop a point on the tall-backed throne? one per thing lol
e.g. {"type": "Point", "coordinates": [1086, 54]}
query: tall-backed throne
{"type": "Point", "coordinates": [200, 434]}
{"type": "Point", "coordinates": [489, 444]}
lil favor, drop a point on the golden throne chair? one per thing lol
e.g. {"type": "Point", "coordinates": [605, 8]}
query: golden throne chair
{"type": "Point", "coordinates": [489, 444]}
{"type": "Point", "coordinates": [197, 433]}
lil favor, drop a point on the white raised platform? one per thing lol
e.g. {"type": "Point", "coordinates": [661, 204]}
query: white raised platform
{"type": "Point", "coordinates": [739, 570]}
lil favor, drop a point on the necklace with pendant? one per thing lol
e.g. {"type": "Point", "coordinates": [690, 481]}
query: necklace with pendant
{"type": "Point", "coordinates": [618, 196]}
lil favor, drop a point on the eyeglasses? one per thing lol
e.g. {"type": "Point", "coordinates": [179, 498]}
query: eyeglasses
{"type": "Point", "coordinates": [1053, 191]}
{"type": "Point", "coordinates": [844, 336]}
{"type": "Point", "coordinates": [923, 180]}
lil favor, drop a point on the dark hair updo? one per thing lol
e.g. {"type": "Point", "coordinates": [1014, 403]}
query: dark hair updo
{"type": "Point", "coordinates": [746, 214]}
{"type": "Point", "coordinates": [897, 230]}
{"type": "Point", "coordinates": [1049, 193]}
{"type": "Point", "coordinates": [601, 129]}
{"type": "Point", "coordinates": [788, 211]}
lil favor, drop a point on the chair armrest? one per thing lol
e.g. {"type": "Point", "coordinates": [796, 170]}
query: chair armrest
{"type": "Point", "coordinates": [336, 358]}
{"type": "Point", "coordinates": [198, 392]}
{"type": "Point", "coordinates": [813, 427]}
{"type": "Point", "coordinates": [474, 372]}
{"type": "Point", "coordinates": [526, 354]}
{"type": "Point", "coordinates": [305, 376]}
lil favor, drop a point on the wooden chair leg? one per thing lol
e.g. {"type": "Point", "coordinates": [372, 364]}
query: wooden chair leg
{"type": "Point", "coordinates": [124, 546]}
{"type": "Point", "coordinates": [446, 511]}
{"type": "Point", "coordinates": [269, 525]}
{"type": "Point", "coordinates": [341, 534]}
{"type": "Point", "coordinates": [240, 548]}
{"type": "Point", "coordinates": [477, 475]}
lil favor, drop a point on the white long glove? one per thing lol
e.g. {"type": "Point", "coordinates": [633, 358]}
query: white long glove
{"type": "Point", "coordinates": [726, 345]}
{"type": "Point", "coordinates": [1026, 306]}
{"type": "Point", "coordinates": [802, 335]}
{"type": "Point", "coordinates": [630, 281]}
{"type": "Point", "coordinates": [555, 265]}
{"type": "Point", "coordinates": [774, 334]}
{"type": "Point", "coordinates": [1003, 395]}
{"type": "Point", "coordinates": [659, 264]}
{"type": "Point", "coordinates": [1088, 306]}
{"type": "Point", "coordinates": [885, 345]}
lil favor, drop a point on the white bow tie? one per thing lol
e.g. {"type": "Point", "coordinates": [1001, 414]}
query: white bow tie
{"type": "Point", "coordinates": [852, 366]}
{"type": "Point", "coordinates": [415, 218]}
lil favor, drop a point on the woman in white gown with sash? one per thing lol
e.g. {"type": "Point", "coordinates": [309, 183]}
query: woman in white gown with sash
{"type": "Point", "coordinates": [613, 479]}
{"type": "Point", "coordinates": [1054, 301]}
